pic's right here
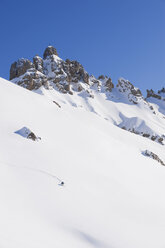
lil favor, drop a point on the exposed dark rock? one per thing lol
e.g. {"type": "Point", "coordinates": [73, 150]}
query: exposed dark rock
{"type": "Point", "coordinates": [160, 140]}
{"type": "Point", "coordinates": [124, 128]}
{"type": "Point", "coordinates": [20, 67]}
{"type": "Point", "coordinates": [57, 80]}
{"type": "Point", "coordinates": [125, 85]}
{"type": "Point", "coordinates": [50, 50]}
{"type": "Point", "coordinates": [38, 63]}
{"type": "Point", "coordinates": [33, 80]}
{"type": "Point", "coordinates": [133, 94]}
{"type": "Point", "coordinates": [161, 91]}
{"type": "Point", "coordinates": [85, 77]}
{"type": "Point", "coordinates": [67, 87]}
{"type": "Point", "coordinates": [57, 104]}
{"type": "Point", "coordinates": [95, 82]}
{"type": "Point", "coordinates": [153, 137]}
{"type": "Point", "coordinates": [60, 87]}
{"type": "Point", "coordinates": [109, 85]}
{"type": "Point", "coordinates": [153, 156]}
{"type": "Point", "coordinates": [101, 77]}
{"type": "Point", "coordinates": [151, 93]}
{"type": "Point", "coordinates": [146, 135]}
{"type": "Point", "coordinates": [32, 136]}
{"type": "Point", "coordinates": [80, 88]}
{"type": "Point", "coordinates": [75, 71]}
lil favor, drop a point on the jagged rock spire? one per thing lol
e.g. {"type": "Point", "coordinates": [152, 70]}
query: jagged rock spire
{"type": "Point", "coordinates": [50, 50]}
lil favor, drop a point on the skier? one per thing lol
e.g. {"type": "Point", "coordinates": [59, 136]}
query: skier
{"type": "Point", "coordinates": [62, 183]}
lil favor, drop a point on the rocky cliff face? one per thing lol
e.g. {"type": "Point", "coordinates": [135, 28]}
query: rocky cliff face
{"type": "Point", "coordinates": [20, 67]}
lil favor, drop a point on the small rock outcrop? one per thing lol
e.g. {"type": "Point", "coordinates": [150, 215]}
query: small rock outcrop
{"type": "Point", "coordinates": [160, 95]}
{"type": "Point", "coordinates": [151, 93]}
{"type": "Point", "coordinates": [161, 91]}
{"type": "Point", "coordinates": [153, 156]}
{"type": "Point", "coordinates": [101, 77]}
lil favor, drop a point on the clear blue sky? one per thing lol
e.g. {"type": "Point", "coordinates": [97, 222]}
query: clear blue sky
{"type": "Point", "coordinates": [112, 37]}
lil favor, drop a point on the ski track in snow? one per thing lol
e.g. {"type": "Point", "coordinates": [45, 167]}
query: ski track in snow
{"type": "Point", "coordinates": [33, 169]}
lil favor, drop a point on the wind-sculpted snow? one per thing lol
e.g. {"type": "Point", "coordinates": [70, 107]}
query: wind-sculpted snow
{"type": "Point", "coordinates": [113, 195]}
{"type": "Point", "coordinates": [140, 127]}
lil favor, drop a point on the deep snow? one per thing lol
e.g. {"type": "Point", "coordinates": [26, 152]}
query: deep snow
{"type": "Point", "coordinates": [113, 195]}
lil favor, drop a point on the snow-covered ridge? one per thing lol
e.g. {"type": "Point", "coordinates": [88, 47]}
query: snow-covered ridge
{"type": "Point", "coordinates": [123, 104]}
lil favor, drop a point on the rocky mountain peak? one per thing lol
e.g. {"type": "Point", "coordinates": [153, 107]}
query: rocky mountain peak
{"type": "Point", "coordinates": [50, 50]}
{"type": "Point", "coordinates": [49, 70]}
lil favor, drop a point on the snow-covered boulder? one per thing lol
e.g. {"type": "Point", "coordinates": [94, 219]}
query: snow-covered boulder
{"type": "Point", "coordinates": [27, 133]}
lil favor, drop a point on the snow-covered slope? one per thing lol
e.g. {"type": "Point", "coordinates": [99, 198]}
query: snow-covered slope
{"type": "Point", "coordinates": [113, 195]}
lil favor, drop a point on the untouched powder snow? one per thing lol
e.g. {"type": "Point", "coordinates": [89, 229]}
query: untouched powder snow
{"type": "Point", "coordinates": [113, 196]}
